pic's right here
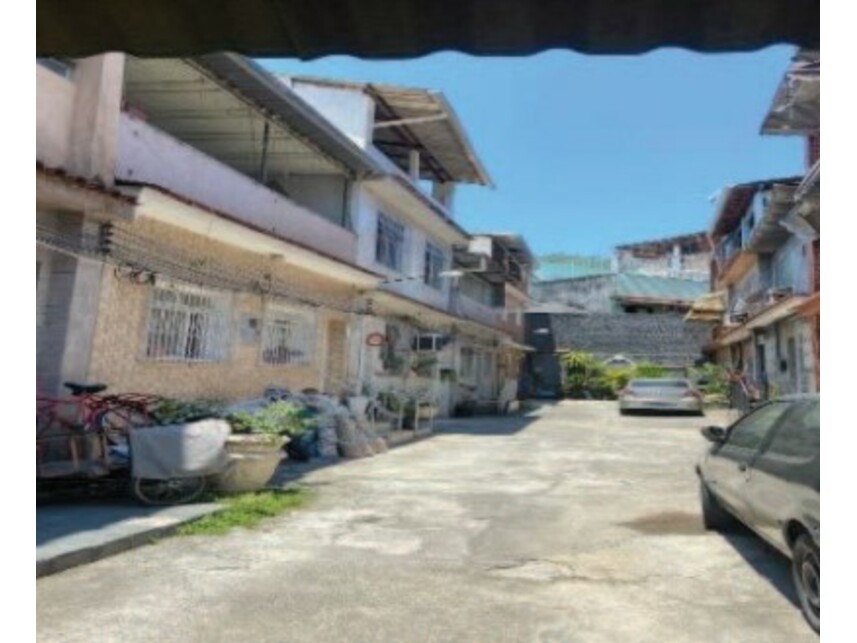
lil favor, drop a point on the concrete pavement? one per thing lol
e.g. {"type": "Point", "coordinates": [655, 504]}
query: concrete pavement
{"type": "Point", "coordinates": [74, 534]}
{"type": "Point", "coordinates": [572, 525]}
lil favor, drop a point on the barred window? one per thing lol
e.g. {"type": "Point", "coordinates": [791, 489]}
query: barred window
{"type": "Point", "coordinates": [188, 325]}
{"type": "Point", "coordinates": [289, 337]}
{"type": "Point", "coordinates": [434, 264]}
{"type": "Point", "coordinates": [390, 242]}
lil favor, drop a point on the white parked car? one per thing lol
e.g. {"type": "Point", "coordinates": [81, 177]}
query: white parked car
{"type": "Point", "coordinates": [660, 395]}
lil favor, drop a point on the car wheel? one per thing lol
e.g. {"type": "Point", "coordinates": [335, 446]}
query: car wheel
{"type": "Point", "coordinates": [806, 573]}
{"type": "Point", "coordinates": [714, 517]}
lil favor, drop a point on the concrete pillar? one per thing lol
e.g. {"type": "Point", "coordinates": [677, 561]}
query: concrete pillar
{"type": "Point", "coordinates": [445, 193]}
{"type": "Point", "coordinates": [95, 121]}
{"type": "Point", "coordinates": [414, 164]}
{"type": "Point", "coordinates": [72, 288]}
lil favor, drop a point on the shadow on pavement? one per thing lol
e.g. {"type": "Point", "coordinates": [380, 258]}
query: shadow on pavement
{"type": "Point", "coordinates": [765, 560]}
{"type": "Point", "coordinates": [59, 519]}
{"type": "Point", "coordinates": [486, 425]}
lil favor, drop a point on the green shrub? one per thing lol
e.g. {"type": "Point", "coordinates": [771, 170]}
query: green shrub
{"type": "Point", "coordinates": [584, 376]}
{"type": "Point", "coordinates": [649, 370]}
{"type": "Point", "coordinates": [279, 418]}
{"type": "Point", "coordinates": [173, 411]}
{"type": "Point", "coordinates": [711, 379]}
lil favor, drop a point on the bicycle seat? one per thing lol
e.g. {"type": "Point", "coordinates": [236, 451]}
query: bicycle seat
{"type": "Point", "coordinates": [84, 389]}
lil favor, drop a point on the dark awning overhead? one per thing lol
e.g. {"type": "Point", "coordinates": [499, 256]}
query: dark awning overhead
{"type": "Point", "coordinates": [406, 28]}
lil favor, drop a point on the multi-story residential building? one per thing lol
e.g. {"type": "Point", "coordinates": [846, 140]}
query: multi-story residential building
{"type": "Point", "coordinates": [192, 229]}
{"type": "Point", "coordinates": [436, 321]}
{"type": "Point", "coordinates": [765, 274]}
{"type": "Point", "coordinates": [795, 111]}
{"type": "Point", "coordinates": [205, 229]}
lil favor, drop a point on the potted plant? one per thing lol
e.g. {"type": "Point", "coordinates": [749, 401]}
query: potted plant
{"type": "Point", "coordinates": [256, 444]}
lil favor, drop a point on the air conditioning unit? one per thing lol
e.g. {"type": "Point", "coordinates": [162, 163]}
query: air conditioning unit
{"type": "Point", "coordinates": [483, 246]}
{"type": "Point", "coordinates": [430, 342]}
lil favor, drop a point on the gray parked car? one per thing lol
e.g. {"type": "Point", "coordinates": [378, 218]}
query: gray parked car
{"type": "Point", "coordinates": [764, 471]}
{"type": "Point", "coordinates": [660, 395]}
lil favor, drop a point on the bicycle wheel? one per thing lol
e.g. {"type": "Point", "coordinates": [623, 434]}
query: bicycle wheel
{"type": "Point", "coordinates": [174, 491]}
{"type": "Point", "coordinates": [117, 422]}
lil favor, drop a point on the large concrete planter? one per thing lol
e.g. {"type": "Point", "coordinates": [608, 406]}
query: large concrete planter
{"type": "Point", "coordinates": [253, 459]}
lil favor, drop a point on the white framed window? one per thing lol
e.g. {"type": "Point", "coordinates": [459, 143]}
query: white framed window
{"type": "Point", "coordinates": [288, 337]}
{"type": "Point", "coordinates": [187, 324]}
{"type": "Point", "coordinates": [389, 242]}
{"type": "Point", "coordinates": [435, 262]}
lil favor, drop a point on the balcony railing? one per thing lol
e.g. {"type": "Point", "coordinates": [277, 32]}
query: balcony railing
{"type": "Point", "coordinates": [151, 156]}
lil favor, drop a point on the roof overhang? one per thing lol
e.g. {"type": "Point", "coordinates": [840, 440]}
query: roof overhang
{"type": "Point", "coordinates": [234, 110]}
{"type": "Point", "coordinates": [735, 200]}
{"type": "Point", "coordinates": [811, 307]}
{"type": "Point", "coordinates": [797, 102]}
{"type": "Point", "coordinates": [409, 28]}
{"type": "Point", "coordinates": [524, 348]}
{"type": "Point", "coordinates": [413, 119]}
{"type": "Point", "coordinates": [733, 336]}
{"type": "Point", "coordinates": [779, 311]}
{"type": "Point", "coordinates": [385, 302]}
{"type": "Point", "coordinates": [768, 233]}
{"type": "Point", "coordinates": [160, 205]}
{"type": "Point", "coordinates": [710, 308]}
{"type": "Point", "coordinates": [775, 312]}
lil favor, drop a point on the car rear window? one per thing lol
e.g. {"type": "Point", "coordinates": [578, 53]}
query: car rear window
{"type": "Point", "coordinates": [659, 384]}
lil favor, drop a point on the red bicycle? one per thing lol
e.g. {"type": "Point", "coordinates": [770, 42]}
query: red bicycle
{"type": "Point", "coordinates": [83, 441]}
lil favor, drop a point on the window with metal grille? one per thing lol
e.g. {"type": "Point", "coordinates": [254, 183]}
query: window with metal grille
{"type": "Point", "coordinates": [288, 338]}
{"type": "Point", "coordinates": [389, 242]}
{"type": "Point", "coordinates": [188, 325]}
{"type": "Point", "coordinates": [435, 261]}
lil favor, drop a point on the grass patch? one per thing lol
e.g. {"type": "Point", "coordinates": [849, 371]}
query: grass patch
{"type": "Point", "coordinates": [246, 510]}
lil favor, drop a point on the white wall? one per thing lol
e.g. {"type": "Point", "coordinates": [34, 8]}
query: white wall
{"type": "Point", "coordinates": [326, 195]}
{"type": "Point", "coordinates": [365, 220]}
{"type": "Point", "coordinates": [77, 118]}
{"type": "Point", "coordinates": [349, 109]}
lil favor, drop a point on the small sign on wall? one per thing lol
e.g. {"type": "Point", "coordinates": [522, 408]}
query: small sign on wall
{"type": "Point", "coordinates": [250, 331]}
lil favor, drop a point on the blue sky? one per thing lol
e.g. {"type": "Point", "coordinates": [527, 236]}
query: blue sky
{"type": "Point", "coordinates": [590, 152]}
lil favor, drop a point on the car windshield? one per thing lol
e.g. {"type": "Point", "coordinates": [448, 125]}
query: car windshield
{"type": "Point", "coordinates": [659, 384]}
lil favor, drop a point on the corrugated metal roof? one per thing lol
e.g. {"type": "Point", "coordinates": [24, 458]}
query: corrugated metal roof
{"type": "Point", "coordinates": [654, 288]}
{"type": "Point", "coordinates": [221, 103]}
{"type": "Point", "coordinates": [429, 125]}
{"type": "Point", "coordinates": [407, 28]}
{"type": "Point", "coordinates": [559, 267]}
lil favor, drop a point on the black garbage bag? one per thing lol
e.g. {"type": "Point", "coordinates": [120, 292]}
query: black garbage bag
{"type": "Point", "coordinates": [303, 447]}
